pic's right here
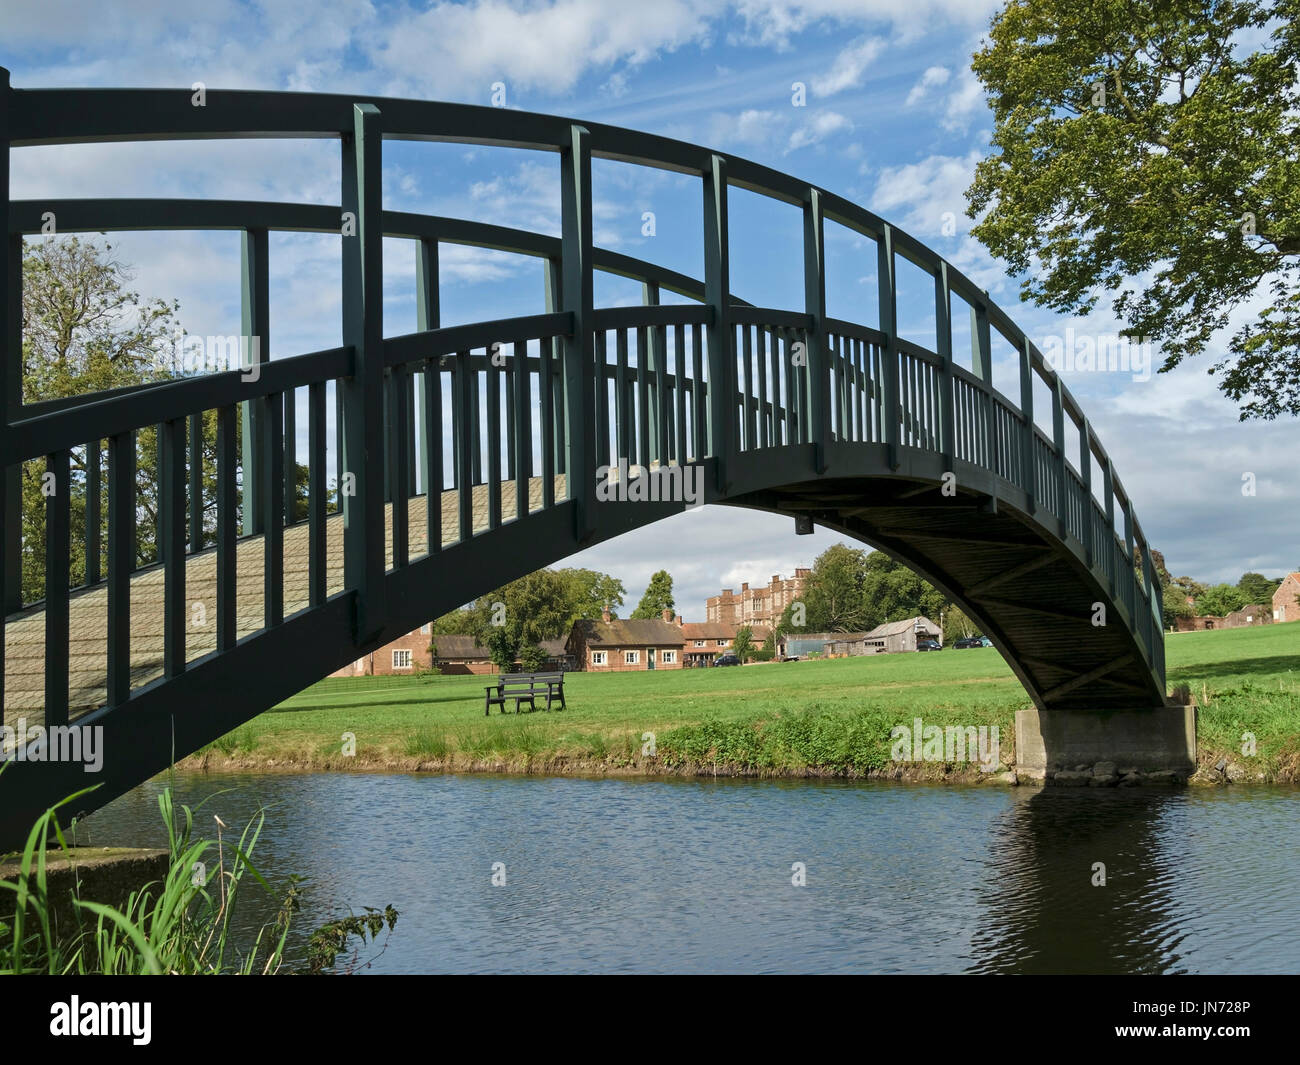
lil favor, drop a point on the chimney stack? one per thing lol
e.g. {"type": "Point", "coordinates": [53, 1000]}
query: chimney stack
{"type": "Point", "coordinates": [667, 614]}
{"type": "Point", "coordinates": [679, 621]}
{"type": "Point", "coordinates": [604, 614]}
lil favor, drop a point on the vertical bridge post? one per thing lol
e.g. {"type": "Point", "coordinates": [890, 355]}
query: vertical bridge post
{"type": "Point", "coordinates": [814, 305]}
{"type": "Point", "coordinates": [888, 302]}
{"type": "Point", "coordinates": [1058, 442]}
{"type": "Point", "coordinates": [363, 393]}
{"type": "Point", "coordinates": [428, 399]}
{"type": "Point", "coordinates": [943, 338]}
{"type": "Point", "coordinates": [1028, 444]}
{"type": "Point", "coordinates": [1085, 475]}
{"type": "Point", "coordinates": [717, 294]}
{"type": "Point", "coordinates": [579, 351]}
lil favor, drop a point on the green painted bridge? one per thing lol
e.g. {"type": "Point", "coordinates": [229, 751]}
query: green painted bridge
{"type": "Point", "coordinates": [470, 455]}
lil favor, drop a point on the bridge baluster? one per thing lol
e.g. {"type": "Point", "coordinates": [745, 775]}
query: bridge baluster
{"type": "Point", "coordinates": [492, 385]}
{"type": "Point", "coordinates": [94, 513]}
{"type": "Point", "coordinates": [398, 444]}
{"type": "Point", "coordinates": [431, 452]}
{"type": "Point", "coordinates": [466, 442]}
{"type": "Point", "coordinates": [171, 542]}
{"type": "Point", "coordinates": [316, 553]}
{"type": "Point", "coordinates": [271, 477]}
{"type": "Point", "coordinates": [57, 560]}
{"type": "Point", "coordinates": [623, 424]}
{"type": "Point", "coordinates": [121, 558]}
{"type": "Point", "coordinates": [523, 444]}
{"type": "Point", "coordinates": [644, 444]}
{"type": "Point", "coordinates": [679, 391]}
{"type": "Point", "coordinates": [227, 504]}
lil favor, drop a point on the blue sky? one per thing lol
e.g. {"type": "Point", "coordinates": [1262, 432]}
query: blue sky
{"type": "Point", "coordinates": [893, 120]}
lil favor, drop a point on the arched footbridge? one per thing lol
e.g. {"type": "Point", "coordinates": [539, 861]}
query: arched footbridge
{"type": "Point", "coordinates": [472, 454]}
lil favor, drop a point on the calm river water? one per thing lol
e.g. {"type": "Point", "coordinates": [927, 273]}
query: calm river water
{"type": "Point", "coordinates": [667, 875]}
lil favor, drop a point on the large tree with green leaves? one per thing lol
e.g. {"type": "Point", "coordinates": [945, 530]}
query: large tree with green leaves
{"type": "Point", "coordinates": [832, 592]}
{"type": "Point", "coordinates": [1151, 150]}
{"type": "Point", "coordinates": [658, 596]}
{"type": "Point", "coordinates": [1256, 588]}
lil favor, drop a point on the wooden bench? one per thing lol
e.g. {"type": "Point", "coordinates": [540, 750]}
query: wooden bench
{"type": "Point", "coordinates": [524, 688]}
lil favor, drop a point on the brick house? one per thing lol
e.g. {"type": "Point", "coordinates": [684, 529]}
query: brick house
{"type": "Point", "coordinates": [703, 641]}
{"type": "Point", "coordinates": [1286, 606]}
{"type": "Point", "coordinates": [615, 646]}
{"type": "Point", "coordinates": [458, 655]}
{"type": "Point", "coordinates": [756, 606]}
{"type": "Point", "coordinates": [407, 654]}
{"type": "Point", "coordinates": [462, 655]}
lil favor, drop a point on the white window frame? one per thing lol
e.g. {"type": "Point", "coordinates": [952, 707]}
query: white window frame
{"type": "Point", "coordinates": [398, 662]}
{"type": "Point", "coordinates": [599, 658]}
{"type": "Point", "coordinates": [668, 658]}
{"type": "Point", "coordinates": [631, 658]}
{"type": "Point", "coordinates": [700, 643]}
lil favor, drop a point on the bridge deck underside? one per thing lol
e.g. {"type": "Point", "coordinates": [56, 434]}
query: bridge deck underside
{"type": "Point", "coordinates": [25, 633]}
{"type": "Point", "coordinates": [1057, 627]}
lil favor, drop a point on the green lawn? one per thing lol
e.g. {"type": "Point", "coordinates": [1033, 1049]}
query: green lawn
{"type": "Point", "coordinates": [818, 716]}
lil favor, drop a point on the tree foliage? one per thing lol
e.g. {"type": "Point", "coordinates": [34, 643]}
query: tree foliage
{"type": "Point", "coordinates": [511, 621]}
{"type": "Point", "coordinates": [658, 596]}
{"type": "Point", "coordinates": [1149, 150]}
{"type": "Point", "coordinates": [743, 645]}
{"type": "Point", "coordinates": [1256, 588]}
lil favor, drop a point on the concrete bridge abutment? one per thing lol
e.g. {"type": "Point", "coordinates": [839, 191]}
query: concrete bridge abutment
{"type": "Point", "coordinates": [1104, 748]}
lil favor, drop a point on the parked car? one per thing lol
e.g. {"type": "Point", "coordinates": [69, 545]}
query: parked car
{"type": "Point", "coordinates": [985, 642]}
{"type": "Point", "coordinates": [969, 641]}
{"type": "Point", "coordinates": [726, 660]}
{"type": "Point", "coordinates": [929, 645]}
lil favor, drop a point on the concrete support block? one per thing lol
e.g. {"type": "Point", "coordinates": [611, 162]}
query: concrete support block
{"type": "Point", "coordinates": [1159, 739]}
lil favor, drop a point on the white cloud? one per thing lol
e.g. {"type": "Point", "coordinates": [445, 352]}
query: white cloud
{"type": "Point", "coordinates": [962, 105]}
{"type": "Point", "coordinates": [821, 125]}
{"type": "Point", "coordinates": [459, 50]}
{"type": "Point", "coordinates": [917, 196]}
{"type": "Point", "coordinates": [773, 22]}
{"type": "Point", "coordinates": [849, 66]}
{"type": "Point", "coordinates": [933, 77]}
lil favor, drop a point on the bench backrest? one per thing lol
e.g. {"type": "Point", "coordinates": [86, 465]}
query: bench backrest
{"type": "Point", "coordinates": [519, 678]}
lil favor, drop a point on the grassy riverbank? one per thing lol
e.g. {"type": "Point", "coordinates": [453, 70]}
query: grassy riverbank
{"type": "Point", "coordinates": [801, 718]}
